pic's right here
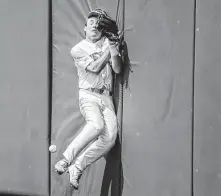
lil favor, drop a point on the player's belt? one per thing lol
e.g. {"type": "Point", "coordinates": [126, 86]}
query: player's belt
{"type": "Point", "coordinates": [101, 91]}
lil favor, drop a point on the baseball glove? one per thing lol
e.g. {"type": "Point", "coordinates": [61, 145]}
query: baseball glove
{"type": "Point", "coordinates": [106, 24]}
{"type": "Point", "coordinates": [108, 27]}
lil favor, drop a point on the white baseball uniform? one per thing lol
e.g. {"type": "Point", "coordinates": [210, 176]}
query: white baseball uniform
{"type": "Point", "coordinates": [100, 131]}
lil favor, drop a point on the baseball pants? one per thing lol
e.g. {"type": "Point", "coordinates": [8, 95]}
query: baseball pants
{"type": "Point", "coordinates": [98, 135]}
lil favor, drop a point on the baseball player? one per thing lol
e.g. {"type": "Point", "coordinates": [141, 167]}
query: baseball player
{"type": "Point", "coordinates": [96, 57]}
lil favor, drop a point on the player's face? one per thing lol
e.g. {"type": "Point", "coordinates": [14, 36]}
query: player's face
{"type": "Point", "coordinates": [91, 30]}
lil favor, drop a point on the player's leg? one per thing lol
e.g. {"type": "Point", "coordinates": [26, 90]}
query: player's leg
{"type": "Point", "coordinates": [97, 149]}
{"type": "Point", "coordinates": [93, 128]}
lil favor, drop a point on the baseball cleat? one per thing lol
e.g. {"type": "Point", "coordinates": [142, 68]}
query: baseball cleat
{"type": "Point", "coordinates": [75, 175]}
{"type": "Point", "coordinates": [61, 166]}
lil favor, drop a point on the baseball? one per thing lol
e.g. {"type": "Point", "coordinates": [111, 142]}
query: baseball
{"type": "Point", "coordinates": [52, 148]}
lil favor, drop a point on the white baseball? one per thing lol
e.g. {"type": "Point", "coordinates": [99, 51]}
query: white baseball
{"type": "Point", "coordinates": [52, 148]}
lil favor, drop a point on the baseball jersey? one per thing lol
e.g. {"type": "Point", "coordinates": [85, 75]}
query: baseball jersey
{"type": "Point", "coordinates": [83, 54]}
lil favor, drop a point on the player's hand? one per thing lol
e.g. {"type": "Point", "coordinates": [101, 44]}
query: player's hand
{"type": "Point", "coordinates": [114, 47]}
{"type": "Point", "coordinates": [113, 44]}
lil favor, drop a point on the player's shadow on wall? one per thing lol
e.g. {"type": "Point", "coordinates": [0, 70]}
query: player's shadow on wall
{"type": "Point", "coordinates": [113, 174]}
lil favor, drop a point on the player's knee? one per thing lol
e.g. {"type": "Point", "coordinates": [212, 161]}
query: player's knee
{"type": "Point", "coordinates": [112, 136]}
{"type": "Point", "coordinates": [112, 140]}
{"type": "Point", "coordinates": [98, 125]}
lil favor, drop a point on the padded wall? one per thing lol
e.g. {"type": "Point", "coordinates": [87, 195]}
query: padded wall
{"type": "Point", "coordinates": [157, 108]}
{"type": "Point", "coordinates": [24, 97]}
{"type": "Point", "coordinates": [207, 123]}
{"type": "Point", "coordinates": [156, 149]}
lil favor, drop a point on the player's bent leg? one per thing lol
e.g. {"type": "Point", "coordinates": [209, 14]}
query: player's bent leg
{"type": "Point", "coordinates": [93, 128]}
{"type": "Point", "coordinates": [97, 149]}
{"type": "Point", "coordinates": [88, 134]}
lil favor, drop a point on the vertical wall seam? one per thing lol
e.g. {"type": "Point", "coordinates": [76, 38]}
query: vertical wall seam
{"type": "Point", "coordinates": [193, 97]}
{"type": "Point", "coordinates": [50, 68]}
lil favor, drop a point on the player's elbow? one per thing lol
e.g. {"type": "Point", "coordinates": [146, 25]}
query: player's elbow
{"type": "Point", "coordinates": [117, 65]}
{"type": "Point", "coordinates": [117, 70]}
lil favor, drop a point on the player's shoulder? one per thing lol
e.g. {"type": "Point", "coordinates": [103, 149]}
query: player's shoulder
{"type": "Point", "coordinates": [81, 47]}
{"type": "Point", "coordinates": [77, 47]}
